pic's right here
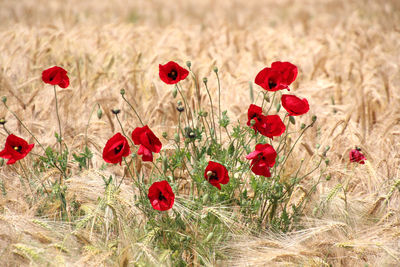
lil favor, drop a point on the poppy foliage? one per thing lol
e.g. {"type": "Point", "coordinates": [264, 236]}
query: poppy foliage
{"type": "Point", "coordinates": [15, 149]}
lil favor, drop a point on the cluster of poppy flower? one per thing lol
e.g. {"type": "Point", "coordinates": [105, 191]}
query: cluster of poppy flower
{"type": "Point", "coordinates": [277, 77]}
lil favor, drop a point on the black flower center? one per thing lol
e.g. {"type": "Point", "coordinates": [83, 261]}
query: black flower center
{"type": "Point", "coordinates": [18, 148]}
{"type": "Point", "coordinates": [161, 197]}
{"type": "Point", "coordinates": [173, 74]}
{"type": "Point", "coordinates": [271, 83]}
{"type": "Point", "coordinates": [118, 149]}
{"type": "Point", "coordinates": [213, 176]}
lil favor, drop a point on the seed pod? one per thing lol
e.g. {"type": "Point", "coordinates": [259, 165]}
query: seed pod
{"type": "Point", "coordinates": [188, 64]}
{"type": "Point", "coordinates": [164, 134]}
{"type": "Point", "coordinates": [174, 91]}
{"type": "Point", "coordinates": [180, 108]}
{"type": "Point", "coordinates": [122, 92]}
{"type": "Point", "coordinates": [115, 111]}
{"type": "Point", "coordinates": [215, 69]}
{"type": "Point", "coordinates": [205, 80]}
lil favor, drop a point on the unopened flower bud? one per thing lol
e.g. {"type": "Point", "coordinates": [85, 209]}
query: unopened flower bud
{"type": "Point", "coordinates": [327, 161]}
{"type": "Point", "coordinates": [328, 177]}
{"type": "Point", "coordinates": [115, 111]}
{"type": "Point", "coordinates": [252, 122]}
{"type": "Point", "coordinates": [174, 91]}
{"type": "Point", "coordinates": [164, 134]}
{"type": "Point", "coordinates": [205, 80]}
{"type": "Point", "coordinates": [314, 118]}
{"type": "Point", "coordinates": [122, 92]}
{"type": "Point", "coordinates": [179, 103]}
{"type": "Point", "coordinates": [215, 69]}
{"type": "Point", "coordinates": [99, 113]}
{"type": "Point", "coordinates": [180, 108]}
{"type": "Point", "coordinates": [266, 97]}
{"type": "Point", "coordinates": [176, 137]}
{"type": "Point", "coordinates": [4, 99]}
{"type": "Point", "coordinates": [2, 121]}
{"type": "Point", "coordinates": [302, 126]}
{"type": "Point", "coordinates": [188, 64]}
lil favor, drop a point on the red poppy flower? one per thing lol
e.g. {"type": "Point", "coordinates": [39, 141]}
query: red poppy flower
{"type": "Point", "coordinates": [287, 70]}
{"type": "Point", "coordinates": [255, 112]}
{"type": "Point", "coordinates": [270, 80]}
{"type": "Point", "coordinates": [269, 126]}
{"type": "Point", "coordinates": [294, 105]}
{"type": "Point", "coordinates": [172, 73]}
{"type": "Point", "coordinates": [263, 158]}
{"type": "Point", "coordinates": [148, 142]}
{"type": "Point", "coordinates": [272, 125]}
{"type": "Point", "coordinates": [161, 196]}
{"type": "Point", "coordinates": [116, 148]}
{"type": "Point", "coordinates": [15, 149]}
{"type": "Point", "coordinates": [56, 76]}
{"type": "Point", "coordinates": [356, 156]}
{"type": "Point", "coordinates": [279, 76]}
{"type": "Point", "coordinates": [216, 174]}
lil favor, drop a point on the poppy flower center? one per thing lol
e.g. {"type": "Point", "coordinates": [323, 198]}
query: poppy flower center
{"type": "Point", "coordinates": [213, 176]}
{"type": "Point", "coordinates": [118, 149]}
{"type": "Point", "coordinates": [18, 148]}
{"type": "Point", "coordinates": [173, 74]}
{"type": "Point", "coordinates": [271, 83]}
{"type": "Point", "coordinates": [161, 197]}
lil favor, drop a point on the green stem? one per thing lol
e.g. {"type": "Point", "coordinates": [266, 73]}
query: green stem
{"type": "Point", "coordinates": [134, 110]}
{"type": "Point", "coordinates": [212, 110]}
{"type": "Point", "coordinates": [87, 125]}
{"type": "Point", "coordinates": [219, 105]}
{"type": "Point", "coordinates": [58, 119]}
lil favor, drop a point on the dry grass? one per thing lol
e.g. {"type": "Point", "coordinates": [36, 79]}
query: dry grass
{"type": "Point", "coordinates": [347, 52]}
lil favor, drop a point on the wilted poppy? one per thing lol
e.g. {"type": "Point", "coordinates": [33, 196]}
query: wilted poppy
{"type": "Point", "coordinates": [148, 142]}
{"type": "Point", "coordinates": [56, 76]}
{"type": "Point", "coordinates": [172, 73]}
{"type": "Point", "coordinates": [15, 149]}
{"type": "Point", "coordinates": [294, 105]}
{"type": "Point", "coordinates": [161, 196]}
{"type": "Point", "coordinates": [356, 156]}
{"type": "Point", "coordinates": [216, 174]}
{"type": "Point", "coordinates": [262, 159]}
{"type": "Point", "coordinates": [116, 148]}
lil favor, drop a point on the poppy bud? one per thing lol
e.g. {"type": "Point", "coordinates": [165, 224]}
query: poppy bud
{"type": "Point", "coordinates": [208, 238]}
{"type": "Point", "coordinates": [115, 111]}
{"type": "Point", "coordinates": [180, 108]}
{"type": "Point", "coordinates": [4, 99]}
{"type": "Point", "coordinates": [266, 97]}
{"type": "Point", "coordinates": [314, 118]}
{"type": "Point", "coordinates": [174, 91]}
{"type": "Point", "coordinates": [252, 122]}
{"type": "Point", "coordinates": [327, 161]}
{"type": "Point", "coordinates": [99, 113]}
{"type": "Point", "coordinates": [292, 120]}
{"type": "Point", "coordinates": [188, 64]}
{"type": "Point", "coordinates": [328, 177]}
{"type": "Point", "coordinates": [164, 134]}
{"type": "Point", "coordinates": [302, 126]}
{"type": "Point", "coordinates": [122, 92]}
{"type": "Point", "coordinates": [2, 121]}
{"type": "Point", "coordinates": [176, 137]}
{"type": "Point", "coordinates": [215, 69]}
{"type": "Point", "coordinates": [205, 80]}
{"type": "Point", "coordinates": [179, 103]}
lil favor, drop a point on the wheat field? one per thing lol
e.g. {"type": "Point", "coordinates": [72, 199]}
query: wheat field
{"type": "Point", "coordinates": [348, 55]}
